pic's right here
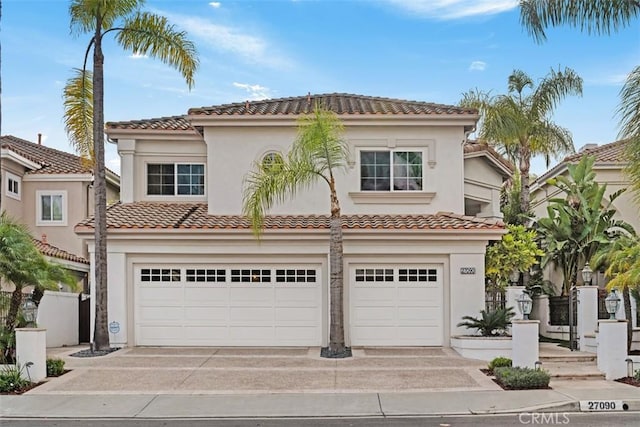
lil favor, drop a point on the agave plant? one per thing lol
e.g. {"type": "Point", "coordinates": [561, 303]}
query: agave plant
{"type": "Point", "coordinates": [491, 323]}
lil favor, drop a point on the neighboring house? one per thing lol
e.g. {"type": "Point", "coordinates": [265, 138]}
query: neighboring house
{"type": "Point", "coordinates": [485, 170]}
{"type": "Point", "coordinates": [608, 166]}
{"type": "Point", "coordinates": [184, 267]}
{"type": "Point", "coordinates": [50, 191]}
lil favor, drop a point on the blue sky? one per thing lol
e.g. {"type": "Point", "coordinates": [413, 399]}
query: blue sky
{"type": "Point", "coordinates": [425, 50]}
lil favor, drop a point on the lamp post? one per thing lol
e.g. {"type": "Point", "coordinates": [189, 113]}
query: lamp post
{"type": "Point", "coordinates": [611, 303]}
{"type": "Point", "coordinates": [525, 304]}
{"type": "Point", "coordinates": [29, 310]}
{"type": "Point", "coordinates": [587, 274]}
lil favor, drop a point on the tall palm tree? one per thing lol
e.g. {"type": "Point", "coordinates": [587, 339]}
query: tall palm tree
{"type": "Point", "coordinates": [316, 154]}
{"type": "Point", "coordinates": [596, 17]}
{"type": "Point", "coordinates": [135, 31]}
{"type": "Point", "coordinates": [519, 123]}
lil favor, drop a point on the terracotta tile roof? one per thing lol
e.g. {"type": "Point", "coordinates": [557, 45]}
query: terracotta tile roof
{"type": "Point", "coordinates": [55, 252]}
{"type": "Point", "coordinates": [52, 161]}
{"type": "Point", "coordinates": [339, 103]}
{"type": "Point", "coordinates": [148, 215]}
{"type": "Point", "coordinates": [607, 153]}
{"type": "Point", "coordinates": [177, 123]}
{"type": "Point", "coordinates": [478, 147]}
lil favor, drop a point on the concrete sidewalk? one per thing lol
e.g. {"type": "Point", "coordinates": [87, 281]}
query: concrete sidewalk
{"type": "Point", "coordinates": [146, 382]}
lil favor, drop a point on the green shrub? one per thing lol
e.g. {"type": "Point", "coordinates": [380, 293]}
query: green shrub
{"type": "Point", "coordinates": [55, 367]}
{"type": "Point", "coordinates": [491, 323]}
{"type": "Point", "coordinates": [637, 375]}
{"type": "Point", "coordinates": [522, 378]}
{"type": "Point", "coordinates": [11, 380]}
{"type": "Point", "coordinates": [499, 362]}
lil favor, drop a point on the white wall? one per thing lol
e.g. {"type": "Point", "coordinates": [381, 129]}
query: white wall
{"type": "Point", "coordinates": [58, 314]}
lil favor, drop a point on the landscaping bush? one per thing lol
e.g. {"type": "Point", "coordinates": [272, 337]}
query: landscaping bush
{"type": "Point", "coordinates": [55, 367]}
{"type": "Point", "coordinates": [522, 378]}
{"type": "Point", "coordinates": [636, 375]}
{"type": "Point", "coordinates": [499, 362]}
{"type": "Point", "coordinates": [10, 379]}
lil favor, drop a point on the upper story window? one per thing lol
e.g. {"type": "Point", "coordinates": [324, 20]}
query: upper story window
{"type": "Point", "coordinates": [170, 179]}
{"type": "Point", "coordinates": [391, 171]}
{"type": "Point", "coordinates": [271, 159]}
{"type": "Point", "coordinates": [14, 186]}
{"type": "Point", "coordinates": [51, 208]}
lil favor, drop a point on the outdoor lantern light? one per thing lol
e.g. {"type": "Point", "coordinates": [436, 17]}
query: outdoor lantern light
{"type": "Point", "coordinates": [29, 309]}
{"type": "Point", "coordinates": [587, 273]}
{"type": "Point", "coordinates": [514, 277]}
{"type": "Point", "coordinates": [612, 302]}
{"type": "Point", "coordinates": [525, 304]}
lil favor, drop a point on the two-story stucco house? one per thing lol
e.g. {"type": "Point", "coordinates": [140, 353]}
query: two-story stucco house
{"type": "Point", "coordinates": [50, 191]}
{"type": "Point", "coordinates": [184, 267]}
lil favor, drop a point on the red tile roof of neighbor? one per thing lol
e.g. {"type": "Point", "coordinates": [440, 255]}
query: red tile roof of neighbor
{"type": "Point", "coordinates": [55, 252]}
{"type": "Point", "coordinates": [52, 161]}
{"type": "Point", "coordinates": [607, 153]}
{"type": "Point", "coordinates": [339, 103]}
{"type": "Point", "coordinates": [151, 215]}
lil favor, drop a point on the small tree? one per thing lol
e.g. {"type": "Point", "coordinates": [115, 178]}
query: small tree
{"type": "Point", "coordinates": [23, 265]}
{"type": "Point", "coordinates": [516, 251]}
{"type": "Point", "coordinates": [577, 224]}
{"type": "Point", "coordinates": [317, 153]}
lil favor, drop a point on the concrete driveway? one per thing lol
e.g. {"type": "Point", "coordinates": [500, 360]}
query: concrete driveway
{"type": "Point", "coordinates": [161, 370]}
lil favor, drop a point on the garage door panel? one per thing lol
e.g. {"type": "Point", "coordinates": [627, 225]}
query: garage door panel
{"type": "Point", "coordinates": [215, 304]}
{"type": "Point", "coordinates": [160, 313]}
{"type": "Point", "coordinates": [396, 305]}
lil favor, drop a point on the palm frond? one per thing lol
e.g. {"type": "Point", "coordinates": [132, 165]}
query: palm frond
{"type": "Point", "coordinates": [518, 81]}
{"type": "Point", "coordinates": [151, 34]}
{"type": "Point", "coordinates": [84, 13]}
{"type": "Point", "coordinates": [592, 16]}
{"type": "Point", "coordinates": [629, 110]}
{"type": "Point", "coordinates": [556, 86]}
{"type": "Point", "coordinates": [78, 112]}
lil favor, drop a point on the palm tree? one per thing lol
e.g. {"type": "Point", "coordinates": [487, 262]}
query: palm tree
{"type": "Point", "coordinates": [519, 123]}
{"type": "Point", "coordinates": [317, 152]}
{"type": "Point", "coordinates": [23, 265]}
{"type": "Point", "coordinates": [596, 17]}
{"type": "Point", "coordinates": [621, 258]}
{"type": "Point", "coordinates": [135, 31]}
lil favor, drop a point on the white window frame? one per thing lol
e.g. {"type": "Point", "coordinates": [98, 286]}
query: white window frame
{"type": "Point", "coordinates": [15, 178]}
{"type": "Point", "coordinates": [175, 179]}
{"type": "Point", "coordinates": [51, 223]}
{"type": "Point", "coordinates": [391, 177]}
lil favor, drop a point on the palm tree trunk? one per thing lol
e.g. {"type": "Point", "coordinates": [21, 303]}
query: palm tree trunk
{"type": "Point", "coordinates": [627, 314]}
{"type": "Point", "coordinates": [525, 167]}
{"type": "Point", "coordinates": [14, 306]}
{"type": "Point", "coordinates": [101, 329]}
{"type": "Point", "coordinates": [336, 329]}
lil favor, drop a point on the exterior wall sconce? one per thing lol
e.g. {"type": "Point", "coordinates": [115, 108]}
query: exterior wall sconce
{"type": "Point", "coordinates": [611, 303]}
{"type": "Point", "coordinates": [587, 274]}
{"type": "Point", "coordinates": [29, 309]}
{"type": "Point", "coordinates": [525, 304]}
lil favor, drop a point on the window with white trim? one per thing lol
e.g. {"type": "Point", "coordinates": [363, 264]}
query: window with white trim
{"type": "Point", "coordinates": [170, 179]}
{"type": "Point", "coordinates": [14, 186]}
{"type": "Point", "coordinates": [51, 208]}
{"type": "Point", "coordinates": [391, 170]}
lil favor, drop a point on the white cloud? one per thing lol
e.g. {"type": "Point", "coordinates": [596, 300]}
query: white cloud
{"type": "Point", "coordinates": [256, 92]}
{"type": "Point", "coordinates": [454, 9]}
{"type": "Point", "coordinates": [477, 66]}
{"type": "Point", "coordinates": [137, 55]}
{"type": "Point", "coordinates": [215, 4]}
{"type": "Point", "coordinates": [250, 47]}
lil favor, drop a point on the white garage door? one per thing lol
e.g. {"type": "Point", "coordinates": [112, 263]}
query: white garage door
{"type": "Point", "coordinates": [201, 305]}
{"type": "Point", "coordinates": [396, 305]}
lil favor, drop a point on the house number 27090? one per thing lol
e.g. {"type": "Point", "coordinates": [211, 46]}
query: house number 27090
{"type": "Point", "coordinates": [467, 270]}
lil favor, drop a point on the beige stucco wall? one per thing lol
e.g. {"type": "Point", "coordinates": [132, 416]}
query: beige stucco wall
{"type": "Point", "coordinates": [15, 208]}
{"type": "Point", "coordinates": [482, 184]}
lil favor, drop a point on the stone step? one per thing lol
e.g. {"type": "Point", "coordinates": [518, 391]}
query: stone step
{"type": "Point", "coordinates": [574, 371]}
{"type": "Point", "coordinates": [569, 358]}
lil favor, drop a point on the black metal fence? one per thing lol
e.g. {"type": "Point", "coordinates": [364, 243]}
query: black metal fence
{"type": "Point", "coordinates": [494, 300]}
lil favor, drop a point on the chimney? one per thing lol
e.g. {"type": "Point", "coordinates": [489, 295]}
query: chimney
{"type": "Point", "coordinates": [44, 238]}
{"type": "Point", "coordinates": [246, 105]}
{"type": "Point", "coordinates": [308, 97]}
{"type": "Point", "coordinates": [39, 139]}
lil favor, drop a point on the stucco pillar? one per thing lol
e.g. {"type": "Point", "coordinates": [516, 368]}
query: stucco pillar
{"type": "Point", "coordinates": [612, 348]}
{"type": "Point", "coordinates": [31, 353]}
{"type": "Point", "coordinates": [587, 313]}
{"type": "Point", "coordinates": [127, 149]}
{"type": "Point", "coordinates": [524, 350]}
{"type": "Point", "coordinates": [511, 294]}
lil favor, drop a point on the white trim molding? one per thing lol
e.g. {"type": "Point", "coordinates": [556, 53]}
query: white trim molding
{"type": "Point", "coordinates": [51, 223]}
{"type": "Point", "coordinates": [17, 195]}
{"type": "Point", "coordinates": [394, 197]}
